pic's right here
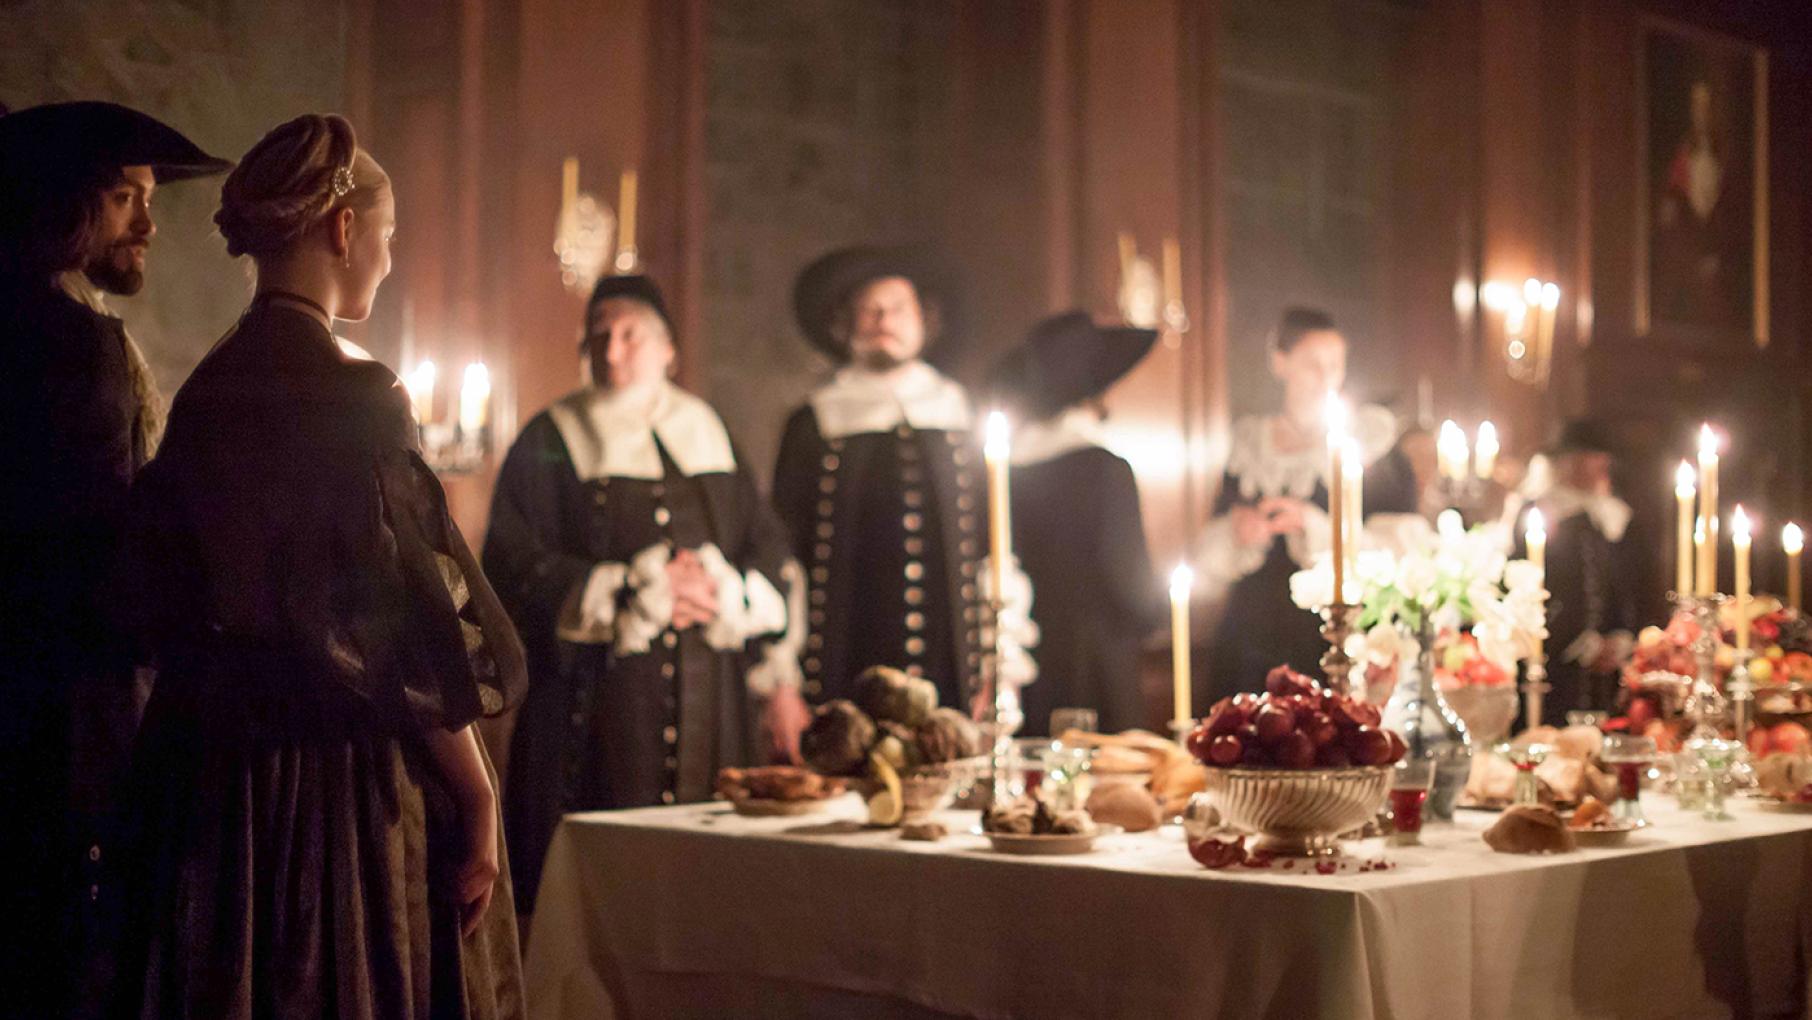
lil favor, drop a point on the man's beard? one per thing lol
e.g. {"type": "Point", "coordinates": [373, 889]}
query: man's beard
{"type": "Point", "coordinates": [878, 359]}
{"type": "Point", "coordinates": [116, 271]}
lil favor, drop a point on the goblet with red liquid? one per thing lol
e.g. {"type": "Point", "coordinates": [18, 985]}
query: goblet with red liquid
{"type": "Point", "coordinates": [1631, 756]}
{"type": "Point", "coordinates": [1409, 785]}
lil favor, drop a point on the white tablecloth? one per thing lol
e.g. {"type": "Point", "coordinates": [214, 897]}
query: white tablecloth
{"type": "Point", "coordinates": [694, 911]}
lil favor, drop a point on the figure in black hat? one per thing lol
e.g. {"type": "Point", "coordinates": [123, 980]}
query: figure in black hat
{"type": "Point", "coordinates": [80, 414]}
{"type": "Point", "coordinates": [879, 479]}
{"type": "Point", "coordinates": [649, 579]}
{"type": "Point", "coordinates": [1591, 602]}
{"type": "Point", "coordinates": [1077, 528]}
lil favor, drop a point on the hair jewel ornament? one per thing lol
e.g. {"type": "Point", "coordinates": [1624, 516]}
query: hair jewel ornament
{"type": "Point", "coordinates": [342, 181]}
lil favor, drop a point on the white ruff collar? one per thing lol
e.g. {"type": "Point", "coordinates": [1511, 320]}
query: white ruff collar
{"type": "Point", "coordinates": [1610, 515]}
{"type": "Point", "coordinates": [1075, 429]}
{"type": "Point", "coordinates": [1263, 470]}
{"type": "Point", "coordinates": [610, 435]}
{"type": "Point", "coordinates": [857, 401]}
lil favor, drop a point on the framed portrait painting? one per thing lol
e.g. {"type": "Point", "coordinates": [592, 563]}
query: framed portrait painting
{"type": "Point", "coordinates": [1702, 191]}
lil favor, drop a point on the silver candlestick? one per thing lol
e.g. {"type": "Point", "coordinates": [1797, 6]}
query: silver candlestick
{"type": "Point", "coordinates": [1337, 620]}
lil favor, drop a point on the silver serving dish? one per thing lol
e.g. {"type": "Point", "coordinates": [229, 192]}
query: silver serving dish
{"type": "Point", "coordinates": [1298, 812]}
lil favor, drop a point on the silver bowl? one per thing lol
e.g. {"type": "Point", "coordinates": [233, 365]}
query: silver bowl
{"type": "Point", "coordinates": [926, 789]}
{"type": "Point", "coordinates": [1298, 812]}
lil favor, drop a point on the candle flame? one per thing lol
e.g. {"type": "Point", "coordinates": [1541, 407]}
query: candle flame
{"type": "Point", "coordinates": [1550, 296]}
{"type": "Point", "coordinates": [1792, 540]}
{"type": "Point", "coordinates": [1352, 463]}
{"type": "Point", "coordinates": [998, 437]}
{"type": "Point", "coordinates": [1708, 442]}
{"type": "Point", "coordinates": [1686, 481]}
{"type": "Point", "coordinates": [1537, 528]}
{"type": "Point", "coordinates": [1182, 579]}
{"type": "Point", "coordinates": [474, 397]}
{"type": "Point", "coordinates": [1698, 530]}
{"type": "Point", "coordinates": [1336, 418]}
{"type": "Point", "coordinates": [1739, 526]}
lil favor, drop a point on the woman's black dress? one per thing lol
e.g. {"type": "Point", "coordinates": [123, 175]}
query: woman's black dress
{"type": "Point", "coordinates": [313, 610]}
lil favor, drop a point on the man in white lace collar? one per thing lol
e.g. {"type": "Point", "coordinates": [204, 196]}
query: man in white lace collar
{"type": "Point", "coordinates": [1591, 604]}
{"type": "Point", "coordinates": [878, 479]}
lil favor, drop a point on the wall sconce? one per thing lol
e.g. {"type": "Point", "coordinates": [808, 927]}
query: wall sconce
{"type": "Point", "coordinates": [583, 234]}
{"type": "Point", "coordinates": [459, 446]}
{"type": "Point", "coordinates": [1528, 325]}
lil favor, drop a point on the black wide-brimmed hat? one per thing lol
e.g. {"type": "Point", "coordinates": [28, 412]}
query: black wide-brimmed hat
{"type": "Point", "coordinates": [1067, 359]}
{"type": "Point", "coordinates": [1582, 436]}
{"type": "Point", "coordinates": [824, 286]}
{"type": "Point", "coordinates": [635, 287]}
{"type": "Point", "coordinates": [67, 139]}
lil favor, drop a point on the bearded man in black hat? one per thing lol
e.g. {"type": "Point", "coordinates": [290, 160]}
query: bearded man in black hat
{"type": "Point", "coordinates": [879, 481]}
{"type": "Point", "coordinates": [1591, 604]}
{"type": "Point", "coordinates": [80, 413]}
{"type": "Point", "coordinates": [1077, 527]}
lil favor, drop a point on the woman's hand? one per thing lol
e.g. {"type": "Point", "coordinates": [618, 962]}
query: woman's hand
{"type": "Point", "coordinates": [786, 718]}
{"type": "Point", "coordinates": [694, 592]}
{"type": "Point", "coordinates": [482, 861]}
{"type": "Point", "coordinates": [1250, 526]}
{"type": "Point", "coordinates": [1283, 516]}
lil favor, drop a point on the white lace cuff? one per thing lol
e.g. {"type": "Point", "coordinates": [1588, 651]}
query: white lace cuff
{"type": "Point", "coordinates": [779, 665]}
{"type": "Point", "coordinates": [650, 608]}
{"type": "Point", "coordinates": [590, 611]}
{"type": "Point", "coordinates": [747, 604]}
{"type": "Point", "coordinates": [1017, 632]}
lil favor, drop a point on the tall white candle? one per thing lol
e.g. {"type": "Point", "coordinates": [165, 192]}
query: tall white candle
{"type": "Point", "coordinates": [1793, 541]}
{"type": "Point", "coordinates": [1450, 448]}
{"type": "Point", "coordinates": [420, 383]}
{"type": "Point", "coordinates": [1181, 580]}
{"type": "Point", "coordinates": [1484, 451]}
{"type": "Point", "coordinates": [1739, 542]}
{"type": "Point", "coordinates": [1708, 510]}
{"type": "Point", "coordinates": [1352, 490]}
{"type": "Point", "coordinates": [474, 399]}
{"type": "Point", "coordinates": [1685, 490]}
{"type": "Point", "coordinates": [1336, 427]}
{"type": "Point", "coordinates": [1535, 541]}
{"type": "Point", "coordinates": [997, 451]}
{"type": "Point", "coordinates": [626, 213]}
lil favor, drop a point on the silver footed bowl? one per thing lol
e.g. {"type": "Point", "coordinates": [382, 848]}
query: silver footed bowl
{"type": "Point", "coordinates": [928, 788]}
{"type": "Point", "coordinates": [1298, 812]}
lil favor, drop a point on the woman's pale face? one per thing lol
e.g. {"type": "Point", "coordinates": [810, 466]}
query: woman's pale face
{"type": "Point", "coordinates": [1312, 369]}
{"type": "Point", "coordinates": [367, 255]}
{"type": "Point", "coordinates": [629, 344]}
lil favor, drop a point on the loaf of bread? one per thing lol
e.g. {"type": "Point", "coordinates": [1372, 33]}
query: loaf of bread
{"type": "Point", "coordinates": [1529, 829]}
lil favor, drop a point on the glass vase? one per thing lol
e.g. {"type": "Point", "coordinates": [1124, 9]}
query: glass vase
{"type": "Point", "coordinates": [1430, 727]}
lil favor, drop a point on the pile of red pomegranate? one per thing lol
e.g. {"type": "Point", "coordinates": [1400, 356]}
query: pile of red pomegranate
{"type": "Point", "coordinates": [1295, 724]}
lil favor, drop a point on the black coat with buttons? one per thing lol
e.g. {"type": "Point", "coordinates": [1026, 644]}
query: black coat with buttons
{"type": "Point", "coordinates": [598, 729]}
{"type": "Point", "coordinates": [891, 528]}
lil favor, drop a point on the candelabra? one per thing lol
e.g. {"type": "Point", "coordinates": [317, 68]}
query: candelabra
{"type": "Point", "coordinates": [998, 702]}
{"type": "Point", "coordinates": [449, 449]}
{"type": "Point", "coordinates": [1705, 705]}
{"type": "Point", "coordinates": [1337, 620]}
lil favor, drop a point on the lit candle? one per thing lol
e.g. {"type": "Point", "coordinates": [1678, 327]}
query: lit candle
{"type": "Point", "coordinates": [1352, 490]}
{"type": "Point", "coordinates": [1739, 541]}
{"type": "Point", "coordinates": [1792, 543]}
{"type": "Point", "coordinates": [1173, 274]}
{"type": "Point", "coordinates": [1708, 510]}
{"type": "Point", "coordinates": [1550, 303]}
{"type": "Point", "coordinates": [996, 451]}
{"type": "Point", "coordinates": [1516, 322]}
{"type": "Point", "coordinates": [1532, 292]}
{"type": "Point", "coordinates": [626, 197]}
{"type": "Point", "coordinates": [1535, 541]}
{"type": "Point", "coordinates": [1336, 426]}
{"type": "Point", "coordinates": [1484, 451]}
{"type": "Point", "coordinates": [1698, 550]}
{"type": "Point", "coordinates": [474, 399]}
{"type": "Point", "coordinates": [1685, 491]}
{"type": "Point", "coordinates": [420, 384]}
{"type": "Point", "coordinates": [1129, 250]}
{"type": "Point", "coordinates": [1450, 448]}
{"type": "Point", "coordinates": [1181, 580]}
{"type": "Point", "coordinates": [569, 184]}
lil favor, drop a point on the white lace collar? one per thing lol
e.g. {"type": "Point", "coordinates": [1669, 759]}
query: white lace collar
{"type": "Point", "coordinates": [612, 435]}
{"type": "Point", "coordinates": [1077, 428]}
{"type": "Point", "coordinates": [856, 400]}
{"type": "Point", "coordinates": [1264, 471]}
{"type": "Point", "coordinates": [1610, 515]}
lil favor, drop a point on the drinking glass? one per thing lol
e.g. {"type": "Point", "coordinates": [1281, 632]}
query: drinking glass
{"type": "Point", "coordinates": [1082, 720]}
{"type": "Point", "coordinates": [1717, 757]}
{"type": "Point", "coordinates": [1630, 755]}
{"type": "Point", "coordinates": [1409, 784]}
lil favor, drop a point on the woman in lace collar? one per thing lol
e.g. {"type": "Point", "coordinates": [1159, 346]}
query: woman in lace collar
{"type": "Point", "coordinates": [1270, 518]}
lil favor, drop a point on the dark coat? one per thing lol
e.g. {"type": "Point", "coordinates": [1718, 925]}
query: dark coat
{"type": "Point", "coordinates": [313, 610]}
{"type": "Point", "coordinates": [1079, 536]}
{"type": "Point", "coordinates": [888, 525]}
{"type": "Point", "coordinates": [1589, 589]}
{"type": "Point", "coordinates": [67, 408]}
{"type": "Point", "coordinates": [601, 730]}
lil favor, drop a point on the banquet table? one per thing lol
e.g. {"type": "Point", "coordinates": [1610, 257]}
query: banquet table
{"type": "Point", "coordinates": [696, 911]}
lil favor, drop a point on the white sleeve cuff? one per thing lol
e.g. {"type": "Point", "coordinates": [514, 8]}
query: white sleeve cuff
{"type": "Point", "coordinates": [590, 610]}
{"type": "Point", "coordinates": [650, 609]}
{"type": "Point", "coordinates": [779, 665]}
{"type": "Point", "coordinates": [1220, 559]}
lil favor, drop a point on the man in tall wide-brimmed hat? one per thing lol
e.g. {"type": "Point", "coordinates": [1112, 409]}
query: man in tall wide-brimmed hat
{"type": "Point", "coordinates": [1591, 604]}
{"type": "Point", "coordinates": [1077, 527]}
{"type": "Point", "coordinates": [81, 415]}
{"type": "Point", "coordinates": [879, 479]}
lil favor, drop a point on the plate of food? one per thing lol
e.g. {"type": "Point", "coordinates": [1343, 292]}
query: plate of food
{"type": "Point", "coordinates": [1029, 827]}
{"type": "Point", "coordinates": [774, 791]}
{"type": "Point", "coordinates": [1593, 825]}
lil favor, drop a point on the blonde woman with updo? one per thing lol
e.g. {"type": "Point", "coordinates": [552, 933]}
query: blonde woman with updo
{"type": "Point", "coordinates": [318, 822]}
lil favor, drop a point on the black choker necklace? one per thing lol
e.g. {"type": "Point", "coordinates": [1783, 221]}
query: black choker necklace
{"type": "Point", "coordinates": [268, 295]}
